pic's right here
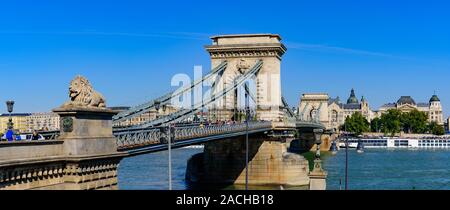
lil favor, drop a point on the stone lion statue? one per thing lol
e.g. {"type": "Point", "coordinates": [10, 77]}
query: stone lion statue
{"type": "Point", "coordinates": [82, 94]}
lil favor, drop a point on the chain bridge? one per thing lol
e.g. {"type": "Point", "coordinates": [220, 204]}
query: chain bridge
{"type": "Point", "coordinates": [244, 117]}
{"type": "Point", "coordinates": [235, 62]}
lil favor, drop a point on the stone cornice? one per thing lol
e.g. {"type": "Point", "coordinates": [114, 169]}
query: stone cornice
{"type": "Point", "coordinates": [61, 158]}
{"type": "Point", "coordinates": [246, 35]}
{"type": "Point", "coordinates": [84, 110]}
{"type": "Point", "coordinates": [29, 142]}
{"type": "Point", "coordinates": [246, 50]}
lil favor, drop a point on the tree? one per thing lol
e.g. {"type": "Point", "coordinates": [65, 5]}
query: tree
{"type": "Point", "coordinates": [406, 122]}
{"type": "Point", "coordinates": [375, 125]}
{"type": "Point", "coordinates": [391, 122]}
{"type": "Point", "coordinates": [357, 124]}
{"type": "Point", "coordinates": [436, 129]}
{"type": "Point", "coordinates": [414, 121]}
{"type": "Point", "coordinates": [418, 121]}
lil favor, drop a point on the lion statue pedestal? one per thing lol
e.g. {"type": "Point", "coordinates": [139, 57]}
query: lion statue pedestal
{"type": "Point", "coordinates": [87, 131]}
{"type": "Point", "coordinates": [89, 145]}
{"type": "Point", "coordinates": [84, 157]}
{"type": "Point", "coordinates": [86, 123]}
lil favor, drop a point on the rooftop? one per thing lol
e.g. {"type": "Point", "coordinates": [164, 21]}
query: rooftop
{"type": "Point", "coordinates": [423, 104]}
{"type": "Point", "coordinates": [246, 35]}
{"type": "Point", "coordinates": [389, 105]}
{"type": "Point", "coordinates": [334, 100]}
{"type": "Point", "coordinates": [435, 98]}
{"type": "Point", "coordinates": [351, 106]}
{"type": "Point", "coordinates": [246, 40]}
{"type": "Point", "coordinates": [406, 100]}
{"type": "Point", "coordinates": [352, 99]}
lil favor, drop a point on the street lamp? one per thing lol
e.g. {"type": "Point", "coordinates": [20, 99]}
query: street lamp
{"type": "Point", "coordinates": [318, 141]}
{"type": "Point", "coordinates": [318, 175]}
{"type": "Point", "coordinates": [169, 147]}
{"type": "Point", "coordinates": [346, 156]}
{"type": "Point", "coordinates": [247, 116]}
{"type": "Point", "coordinates": [318, 162]}
{"type": "Point", "coordinates": [10, 106]}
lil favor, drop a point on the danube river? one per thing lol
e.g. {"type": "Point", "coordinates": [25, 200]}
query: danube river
{"type": "Point", "coordinates": [391, 169]}
{"type": "Point", "coordinates": [381, 169]}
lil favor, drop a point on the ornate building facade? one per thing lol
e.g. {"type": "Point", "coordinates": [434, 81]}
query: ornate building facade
{"type": "Point", "coordinates": [27, 122]}
{"type": "Point", "coordinates": [19, 120]}
{"type": "Point", "coordinates": [332, 113]}
{"type": "Point", "coordinates": [406, 104]}
{"type": "Point", "coordinates": [48, 121]}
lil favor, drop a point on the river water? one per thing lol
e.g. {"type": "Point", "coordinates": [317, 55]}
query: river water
{"type": "Point", "coordinates": [375, 169]}
{"type": "Point", "coordinates": [390, 169]}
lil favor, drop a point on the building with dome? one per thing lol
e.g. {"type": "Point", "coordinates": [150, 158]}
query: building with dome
{"type": "Point", "coordinates": [332, 112]}
{"type": "Point", "coordinates": [406, 104]}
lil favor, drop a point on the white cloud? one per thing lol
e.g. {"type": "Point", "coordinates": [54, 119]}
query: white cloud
{"type": "Point", "coordinates": [334, 49]}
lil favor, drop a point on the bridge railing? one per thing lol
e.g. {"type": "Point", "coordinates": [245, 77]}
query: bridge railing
{"type": "Point", "coordinates": [153, 136]}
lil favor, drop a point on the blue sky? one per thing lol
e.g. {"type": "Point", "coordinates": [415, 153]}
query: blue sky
{"type": "Point", "coordinates": [131, 49]}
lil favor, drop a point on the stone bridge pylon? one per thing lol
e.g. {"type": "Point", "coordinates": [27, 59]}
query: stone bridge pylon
{"type": "Point", "coordinates": [242, 52]}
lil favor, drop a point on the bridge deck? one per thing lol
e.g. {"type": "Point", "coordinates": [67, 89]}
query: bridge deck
{"type": "Point", "coordinates": [155, 139]}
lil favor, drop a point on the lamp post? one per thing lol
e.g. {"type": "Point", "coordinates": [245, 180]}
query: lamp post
{"type": "Point", "coordinates": [247, 116]}
{"type": "Point", "coordinates": [10, 106]}
{"type": "Point", "coordinates": [346, 157]}
{"type": "Point", "coordinates": [318, 141]}
{"type": "Point", "coordinates": [170, 156]}
{"type": "Point", "coordinates": [246, 146]}
{"type": "Point", "coordinates": [318, 175]}
{"type": "Point", "coordinates": [169, 140]}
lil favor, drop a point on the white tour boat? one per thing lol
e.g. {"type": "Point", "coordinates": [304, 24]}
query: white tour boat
{"type": "Point", "coordinates": [398, 143]}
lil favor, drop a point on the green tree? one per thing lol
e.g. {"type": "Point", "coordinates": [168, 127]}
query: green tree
{"type": "Point", "coordinates": [391, 122]}
{"type": "Point", "coordinates": [436, 129]}
{"type": "Point", "coordinates": [418, 121]}
{"type": "Point", "coordinates": [406, 122]}
{"type": "Point", "coordinates": [357, 124]}
{"type": "Point", "coordinates": [375, 125]}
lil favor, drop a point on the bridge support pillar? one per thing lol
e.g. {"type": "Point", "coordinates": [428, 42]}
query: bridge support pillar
{"type": "Point", "coordinates": [306, 142]}
{"type": "Point", "coordinates": [242, 52]}
{"type": "Point", "coordinates": [223, 163]}
{"type": "Point", "coordinates": [84, 157]}
{"type": "Point", "coordinates": [90, 147]}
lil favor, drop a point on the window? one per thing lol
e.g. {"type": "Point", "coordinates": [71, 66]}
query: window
{"type": "Point", "coordinates": [334, 116]}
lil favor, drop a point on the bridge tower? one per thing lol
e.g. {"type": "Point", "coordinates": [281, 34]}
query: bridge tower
{"type": "Point", "coordinates": [241, 53]}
